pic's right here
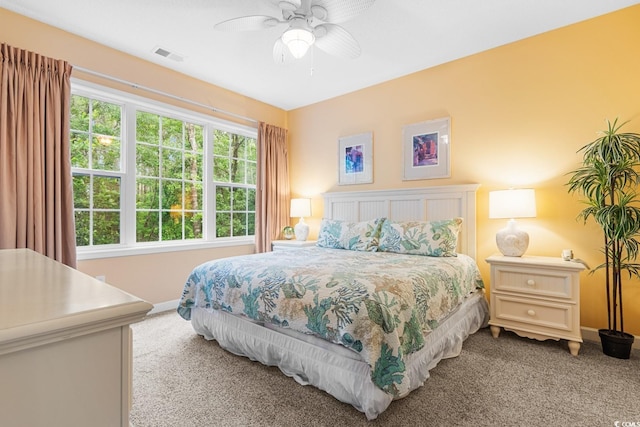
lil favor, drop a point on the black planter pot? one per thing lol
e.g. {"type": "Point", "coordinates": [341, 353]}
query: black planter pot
{"type": "Point", "coordinates": [616, 344]}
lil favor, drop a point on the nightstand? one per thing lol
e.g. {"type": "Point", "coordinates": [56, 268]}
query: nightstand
{"type": "Point", "coordinates": [286, 245]}
{"type": "Point", "coordinates": [536, 297]}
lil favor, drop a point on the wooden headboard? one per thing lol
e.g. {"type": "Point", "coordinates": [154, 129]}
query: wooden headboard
{"type": "Point", "coordinates": [410, 204]}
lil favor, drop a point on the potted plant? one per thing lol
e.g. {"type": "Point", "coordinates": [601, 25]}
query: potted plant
{"type": "Point", "coordinates": [608, 179]}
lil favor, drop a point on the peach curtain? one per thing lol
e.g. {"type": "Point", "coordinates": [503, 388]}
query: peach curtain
{"type": "Point", "coordinates": [36, 199]}
{"type": "Point", "coordinates": [272, 188]}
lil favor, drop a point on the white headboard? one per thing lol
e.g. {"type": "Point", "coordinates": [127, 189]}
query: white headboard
{"type": "Point", "coordinates": [410, 204]}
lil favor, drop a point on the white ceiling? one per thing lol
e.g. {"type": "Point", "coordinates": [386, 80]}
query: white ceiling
{"type": "Point", "coordinates": [397, 37]}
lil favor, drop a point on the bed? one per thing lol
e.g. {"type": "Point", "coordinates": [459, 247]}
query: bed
{"type": "Point", "coordinates": [391, 288]}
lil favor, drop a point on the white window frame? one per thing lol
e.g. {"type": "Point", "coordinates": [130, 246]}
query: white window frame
{"type": "Point", "coordinates": [130, 104]}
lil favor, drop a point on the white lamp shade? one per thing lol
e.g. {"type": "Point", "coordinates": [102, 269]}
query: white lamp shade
{"type": "Point", "coordinates": [298, 40]}
{"type": "Point", "coordinates": [515, 203]}
{"type": "Point", "coordinates": [300, 208]}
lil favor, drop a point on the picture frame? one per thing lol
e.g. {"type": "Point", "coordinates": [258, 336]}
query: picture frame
{"type": "Point", "coordinates": [355, 159]}
{"type": "Point", "coordinates": [426, 150]}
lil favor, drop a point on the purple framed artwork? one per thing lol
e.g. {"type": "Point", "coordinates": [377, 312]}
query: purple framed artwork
{"type": "Point", "coordinates": [426, 148]}
{"type": "Point", "coordinates": [355, 159]}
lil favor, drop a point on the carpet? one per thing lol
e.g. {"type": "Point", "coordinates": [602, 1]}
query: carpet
{"type": "Point", "coordinates": [181, 379]}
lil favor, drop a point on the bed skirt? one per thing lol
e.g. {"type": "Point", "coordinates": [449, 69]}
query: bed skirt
{"type": "Point", "coordinates": [334, 368]}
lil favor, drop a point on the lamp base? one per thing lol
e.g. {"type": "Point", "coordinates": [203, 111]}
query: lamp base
{"type": "Point", "coordinates": [301, 230]}
{"type": "Point", "coordinates": [512, 241]}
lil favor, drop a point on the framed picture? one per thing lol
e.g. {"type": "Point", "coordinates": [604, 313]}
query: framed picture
{"type": "Point", "coordinates": [355, 159]}
{"type": "Point", "coordinates": [426, 149]}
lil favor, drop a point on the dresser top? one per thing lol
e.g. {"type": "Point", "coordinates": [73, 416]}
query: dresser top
{"type": "Point", "coordinates": [39, 295]}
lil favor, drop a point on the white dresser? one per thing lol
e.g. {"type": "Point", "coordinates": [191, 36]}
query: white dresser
{"type": "Point", "coordinates": [65, 345]}
{"type": "Point", "coordinates": [536, 297]}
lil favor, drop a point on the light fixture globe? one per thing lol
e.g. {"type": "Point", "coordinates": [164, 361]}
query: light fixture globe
{"type": "Point", "coordinates": [298, 40]}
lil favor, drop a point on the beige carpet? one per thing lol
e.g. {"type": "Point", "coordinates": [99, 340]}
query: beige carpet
{"type": "Point", "coordinates": [180, 379]}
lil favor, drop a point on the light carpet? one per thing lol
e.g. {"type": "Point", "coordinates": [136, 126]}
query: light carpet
{"type": "Point", "coordinates": [181, 379]}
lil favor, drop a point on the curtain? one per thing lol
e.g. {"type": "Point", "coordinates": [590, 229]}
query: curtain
{"type": "Point", "coordinates": [36, 199]}
{"type": "Point", "coordinates": [272, 187]}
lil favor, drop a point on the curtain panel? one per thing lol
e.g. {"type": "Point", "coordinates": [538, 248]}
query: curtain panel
{"type": "Point", "coordinates": [36, 198]}
{"type": "Point", "coordinates": [272, 187]}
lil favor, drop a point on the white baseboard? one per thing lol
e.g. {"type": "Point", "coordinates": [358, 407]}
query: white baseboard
{"type": "Point", "coordinates": [166, 306]}
{"type": "Point", "coordinates": [590, 334]}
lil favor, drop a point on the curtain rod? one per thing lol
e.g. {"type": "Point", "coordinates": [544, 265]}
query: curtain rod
{"type": "Point", "coordinates": [165, 94]}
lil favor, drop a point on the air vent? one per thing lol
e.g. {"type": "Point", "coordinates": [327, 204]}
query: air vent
{"type": "Point", "coordinates": [168, 54]}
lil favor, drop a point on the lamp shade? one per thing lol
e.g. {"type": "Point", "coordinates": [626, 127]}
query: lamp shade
{"type": "Point", "coordinates": [514, 203]}
{"type": "Point", "coordinates": [298, 40]}
{"type": "Point", "coordinates": [300, 207]}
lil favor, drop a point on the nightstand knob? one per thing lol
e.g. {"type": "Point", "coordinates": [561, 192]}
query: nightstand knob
{"type": "Point", "coordinates": [531, 282]}
{"type": "Point", "coordinates": [531, 313]}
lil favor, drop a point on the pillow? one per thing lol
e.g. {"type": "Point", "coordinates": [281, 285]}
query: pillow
{"type": "Point", "coordinates": [354, 236]}
{"type": "Point", "coordinates": [430, 238]}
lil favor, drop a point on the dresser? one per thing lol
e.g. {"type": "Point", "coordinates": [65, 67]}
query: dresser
{"type": "Point", "coordinates": [65, 345]}
{"type": "Point", "coordinates": [536, 297]}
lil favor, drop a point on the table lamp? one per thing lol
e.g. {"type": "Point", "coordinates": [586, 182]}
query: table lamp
{"type": "Point", "coordinates": [301, 208]}
{"type": "Point", "coordinates": [513, 203]}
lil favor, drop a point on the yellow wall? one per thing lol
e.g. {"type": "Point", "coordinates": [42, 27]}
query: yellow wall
{"type": "Point", "coordinates": [160, 277]}
{"type": "Point", "coordinates": [518, 115]}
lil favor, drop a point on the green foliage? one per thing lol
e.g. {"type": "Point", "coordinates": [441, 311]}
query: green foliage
{"type": "Point", "coordinates": [169, 176]}
{"type": "Point", "coordinates": [608, 180]}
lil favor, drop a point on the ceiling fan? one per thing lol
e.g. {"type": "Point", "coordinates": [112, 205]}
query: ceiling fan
{"type": "Point", "coordinates": [308, 22]}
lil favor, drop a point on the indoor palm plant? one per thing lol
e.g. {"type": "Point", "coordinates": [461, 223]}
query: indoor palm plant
{"type": "Point", "coordinates": [608, 179]}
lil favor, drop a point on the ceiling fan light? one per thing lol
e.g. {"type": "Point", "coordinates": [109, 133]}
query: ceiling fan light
{"type": "Point", "coordinates": [298, 40]}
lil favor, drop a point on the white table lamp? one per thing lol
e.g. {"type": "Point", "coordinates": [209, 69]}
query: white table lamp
{"type": "Point", "coordinates": [514, 203]}
{"type": "Point", "coordinates": [301, 208]}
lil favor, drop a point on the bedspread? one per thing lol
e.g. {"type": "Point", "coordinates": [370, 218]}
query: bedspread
{"type": "Point", "coordinates": [380, 305]}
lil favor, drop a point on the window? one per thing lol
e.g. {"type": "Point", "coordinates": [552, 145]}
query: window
{"type": "Point", "coordinates": [148, 176]}
{"type": "Point", "coordinates": [169, 184]}
{"type": "Point", "coordinates": [234, 171]}
{"type": "Point", "coordinates": [97, 176]}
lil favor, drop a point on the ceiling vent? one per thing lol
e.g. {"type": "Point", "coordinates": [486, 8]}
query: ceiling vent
{"type": "Point", "coordinates": [168, 54]}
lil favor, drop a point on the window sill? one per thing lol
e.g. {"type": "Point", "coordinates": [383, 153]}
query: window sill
{"type": "Point", "coordinates": [140, 249]}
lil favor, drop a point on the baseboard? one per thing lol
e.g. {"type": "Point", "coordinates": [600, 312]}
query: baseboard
{"type": "Point", "coordinates": [590, 334]}
{"type": "Point", "coordinates": [165, 306]}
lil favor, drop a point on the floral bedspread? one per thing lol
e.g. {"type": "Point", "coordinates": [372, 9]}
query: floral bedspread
{"type": "Point", "coordinates": [377, 304]}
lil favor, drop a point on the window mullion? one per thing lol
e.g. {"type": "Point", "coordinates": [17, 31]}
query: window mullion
{"type": "Point", "coordinates": [129, 180]}
{"type": "Point", "coordinates": [209, 187]}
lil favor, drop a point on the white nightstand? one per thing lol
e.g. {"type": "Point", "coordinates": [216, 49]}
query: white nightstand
{"type": "Point", "coordinates": [536, 297]}
{"type": "Point", "coordinates": [286, 245]}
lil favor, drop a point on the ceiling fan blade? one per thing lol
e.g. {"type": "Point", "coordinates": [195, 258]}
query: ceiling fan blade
{"type": "Point", "coordinates": [287, 4]}
{"type": "Point", "coordinates": [281, 54]}
{"type": "Point", "coordinates": [248, 23]}
{"type": "Point", "coordinates": [337, 41]}
{"type": "Point", "coordinates": [342, 10]}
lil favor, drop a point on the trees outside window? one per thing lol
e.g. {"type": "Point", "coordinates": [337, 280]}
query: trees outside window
{"type": "Point", "coordinates": [142, 174]}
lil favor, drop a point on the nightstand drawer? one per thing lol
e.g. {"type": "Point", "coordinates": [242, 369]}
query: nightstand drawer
{"type": "Point", "coordinates": [542, 314]}
{"type": "Point", "coordinates": [551, 283]}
